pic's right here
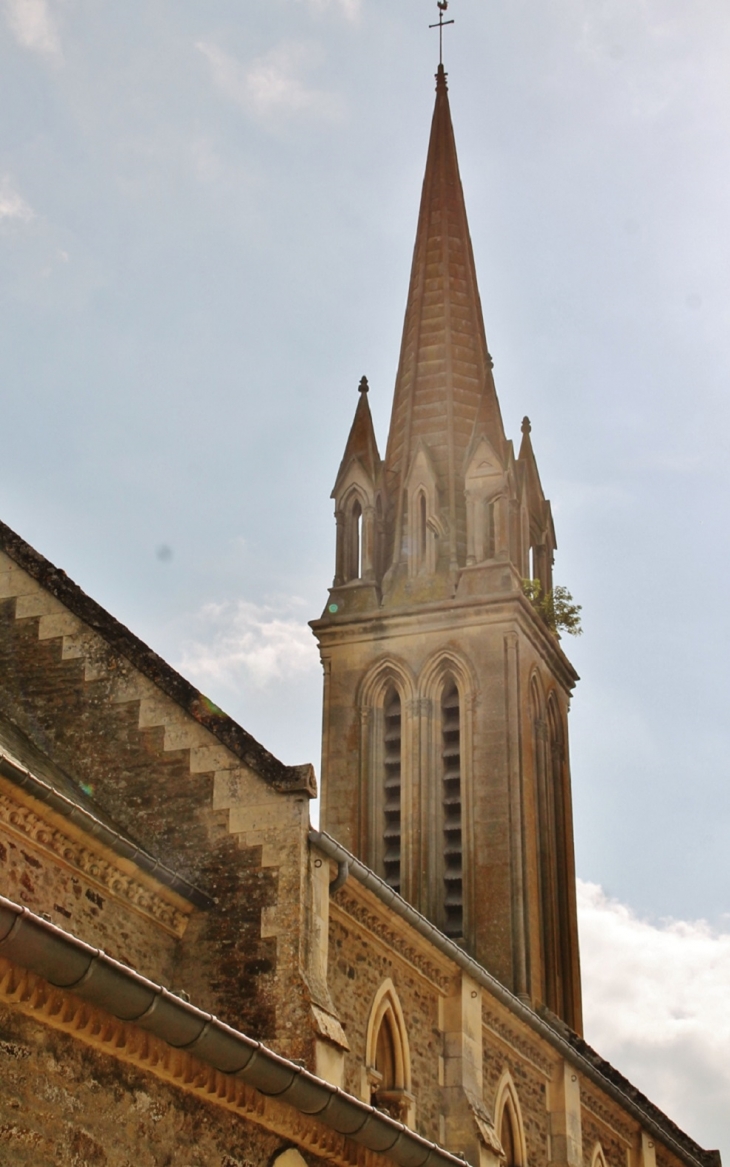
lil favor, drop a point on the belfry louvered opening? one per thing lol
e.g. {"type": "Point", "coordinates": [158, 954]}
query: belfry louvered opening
{"type": "Point", "coordinates": [392, 789]}
{"type": "Point", "coordinates": [453, 889]}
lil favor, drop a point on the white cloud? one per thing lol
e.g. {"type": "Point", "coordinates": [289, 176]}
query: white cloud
{"type": "Point", "coordinates": [350, 9]}
{"type": "Point", "coordinates": [271, 85]}
{"type": "Point", "coordinates": [243, 644]}
{"type": "Point", "coordinates": [657, 1005]}
{"type": "Point", "coordinates": [33, 25]}
{"type": "Point", "coordinates": [12, 204]}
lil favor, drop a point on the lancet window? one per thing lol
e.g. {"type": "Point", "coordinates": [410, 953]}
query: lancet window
{"type": "Point", "coordinates": [598, 1159]}
{"type": "Point", "coordinates": [510, 1128]}
{"type": "Point", "coordinates": [507, 1139]}
{"type": "Point", "coordinates": [388, 1056]}
{"type": "Point", "coordinates": [392, 732]}
{"type": "Point", "coordinates": [489, 530]}
{"type": "Point", "coordinates": [561, 913]}
{"type": "Point", "coordinates": [422, 534]}
{"type": "Point", "coordinates": [546, 849]}
{"type": "Point", "coordinates": [353, 558]}
{"type": "Point", "coordinates": [379, 549]}
{"type": "Point", "coordinates": [453, 882]}
{"type": "Point", "coordinates": [552, 849]}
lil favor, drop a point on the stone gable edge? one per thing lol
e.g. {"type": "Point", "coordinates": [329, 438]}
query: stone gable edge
{"type": "Point", "coordinates": [285, 779]}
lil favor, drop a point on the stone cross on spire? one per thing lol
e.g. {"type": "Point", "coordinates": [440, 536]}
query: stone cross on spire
{"type": "Point", "coordinates": [442, 6]}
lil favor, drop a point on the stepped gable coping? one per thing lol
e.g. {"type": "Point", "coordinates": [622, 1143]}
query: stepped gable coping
{"type": "Point", "coordinates": [75, 967]}
{"type": "Point", "coordinates": [559, 1035]}
{"type": "Point", "coordinates": [118, 843]}
{"type": "Point", "coordinates": [285, 779]}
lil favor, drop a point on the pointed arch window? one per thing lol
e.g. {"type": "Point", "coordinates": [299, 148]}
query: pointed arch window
{"type": "Point", "coordinates": [546, 851]}
{"type": "Point", "coordinates": [388, 1056]}
{"type": "Point", "coordinates": [422, 519]}
{"type": "Point", "coordinates": [354, 541]}
{"type": "Point", "coordinates": [379, 548]}
{"type": "Point", "coordinates": [392, 733]}
{"type": "Point", "coordinates": [508, 1140]}
{"type": "Point", "coordinates": [352, 559]}
{"type": "Point", "coordinates": [453, 877]}
{"type": "Point", "coordinates": [489, 529]}
{"type": "Point", "coordinates": [598, 1159]}
{"type": "Point", "coordinates": [510, 1127]}
{"type": "Point", "coordinates": [556, 825]}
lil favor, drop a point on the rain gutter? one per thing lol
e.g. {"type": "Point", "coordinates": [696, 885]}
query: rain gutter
{"type": "Point", "coordinates": [110, 838]}
{"type": "Point", "coordinates": [68, 963]}
{"type": "Point", "coordinates": [345, 860]}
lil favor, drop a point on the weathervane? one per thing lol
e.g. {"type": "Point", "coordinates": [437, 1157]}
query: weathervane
{"type": "Point", "coordinates": [443, 5]}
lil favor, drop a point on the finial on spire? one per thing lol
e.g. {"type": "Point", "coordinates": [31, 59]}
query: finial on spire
{"type": "Point", "coordinates": [526, 427]}
{"type": "Point", "coordinates": [442, 6]}
{"type": "Point", "coordinates": [363, 387]}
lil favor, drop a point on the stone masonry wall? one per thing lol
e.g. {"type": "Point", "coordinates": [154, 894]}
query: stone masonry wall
{"type": "Point", "coordinates": [145, 764]}
{"type": "Point", "coordinates": [530, 1086]}
{"type": "Point", "coordinates": [63, 1104]}
{"type": "Point", "coordinates": [94, 909]}
{"type": "Point", "coordinates": [358, 965]}
{"type": "Point", "coordinates": [614, 1147]}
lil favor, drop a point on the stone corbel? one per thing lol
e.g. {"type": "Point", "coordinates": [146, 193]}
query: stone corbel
{"type": "Point", "coordinates": [395, 1101]}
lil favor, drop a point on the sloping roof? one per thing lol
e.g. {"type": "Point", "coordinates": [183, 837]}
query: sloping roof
{"type": "Point", "coordinates": [361, 442]}
{"type": "Point", "coordinates": [287, 779]}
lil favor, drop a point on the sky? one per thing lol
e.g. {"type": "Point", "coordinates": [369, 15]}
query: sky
{"type": "Point", "coordinates": [207, 213]}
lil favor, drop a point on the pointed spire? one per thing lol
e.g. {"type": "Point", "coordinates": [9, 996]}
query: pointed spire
{"type": "Point", "coordinates": [361, 443]}
{"type": "Point", "coordinates": [444, 384]}
{"type": "Point", "coordinates": [526, 458]}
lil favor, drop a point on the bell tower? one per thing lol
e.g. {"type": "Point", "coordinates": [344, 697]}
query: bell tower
{"type": "Point", "coordinates": [445, 742]}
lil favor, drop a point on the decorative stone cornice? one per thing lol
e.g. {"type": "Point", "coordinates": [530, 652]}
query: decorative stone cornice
{"type": "Point", "coordinates": [516, 1041]}
{"type": "Point", "coordinates": [62, 1010]}
{"type": "Point", "coordinates": [349, 908]}
{"type": "Point", "coordinates": [606, 1114]}
{"type": "Point", "coordinates": [94, 863]}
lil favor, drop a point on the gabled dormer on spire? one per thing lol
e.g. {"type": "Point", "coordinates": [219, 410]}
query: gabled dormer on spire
{"type": "Point", "coordinates": [359, 506]}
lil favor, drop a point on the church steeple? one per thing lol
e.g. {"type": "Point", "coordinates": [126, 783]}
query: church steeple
{"type": "Point", "coordinates": [358, 505]}
{"type": "Point", "coordinates": [444, 749]}
{"type": "Point", "coordinates": [444, 382]}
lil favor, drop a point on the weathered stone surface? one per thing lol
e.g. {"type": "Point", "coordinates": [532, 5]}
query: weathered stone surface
{"type": "Point", "coordinates": [65, 1105]}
